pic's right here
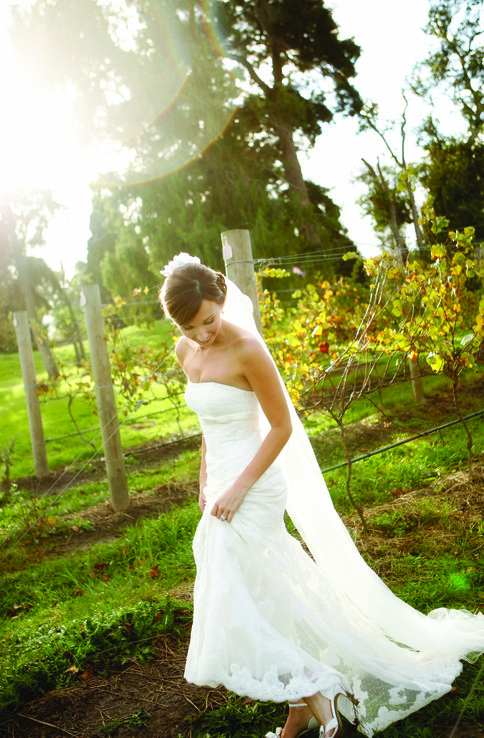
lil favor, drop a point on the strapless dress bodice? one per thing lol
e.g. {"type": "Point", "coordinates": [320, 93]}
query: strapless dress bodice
{"type": "Point", "coordinates": [221, 402]}
{"type": "Point", "coordinates": [229, 419]}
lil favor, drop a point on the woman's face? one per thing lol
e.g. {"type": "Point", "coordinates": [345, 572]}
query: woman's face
{"type": "Point", "coordinates": [205, 326]}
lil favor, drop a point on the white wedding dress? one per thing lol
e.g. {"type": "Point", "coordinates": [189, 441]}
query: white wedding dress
{"type": "Point", "coordinates": [271, 623]}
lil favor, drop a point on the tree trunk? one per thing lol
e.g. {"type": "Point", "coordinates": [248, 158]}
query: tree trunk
{"type": "Point", "coordinates": [358, 508]}
{"type": "Point", "coordinates": [413, 206]}
{"type": "Point", "coordinates": [295, 179]}
{"type": "Point", "coordinates": [455, 380]}
{"type": "Point", "coordinates": [77, 339]}
{"type": "Point", "coordinates": [400, 245]}
{"type": "Point", "coordinates": [290, 161]}
{"type": "Point", "coordinates": [35, 325]}
{"type": "Point", "coordinates": [285, 133]}
{"type": "Point", "coordinates": [417, 381]}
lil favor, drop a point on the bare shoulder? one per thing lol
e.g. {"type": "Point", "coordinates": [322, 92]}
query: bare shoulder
{"type": "Point", "coordinates": [260, 372]}
{"type": "Point", "coordinates": [182, 349]}
{"type": "Point", "coordinates": [253, 357]}
{"type": "Point", "coordinates": [249, 347]}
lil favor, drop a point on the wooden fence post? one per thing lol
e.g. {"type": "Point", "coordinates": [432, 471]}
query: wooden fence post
{"type": "Point", "coordinates": [106, 403]}
{"type": "Point", "coordinates": [26, 355]}
{"type": "Point", "coordinates": [239, 266]}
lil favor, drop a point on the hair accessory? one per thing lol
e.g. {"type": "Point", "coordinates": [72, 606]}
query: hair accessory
{"type": "Point", "coordinates": [178, 261]}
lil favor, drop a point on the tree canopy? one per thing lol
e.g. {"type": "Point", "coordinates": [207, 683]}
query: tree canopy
{"type": "Point", "coordinates": [456, 66]}
{"type": "Point", "coordinates": [212, 104]}
{"type": "Point", "coordinates": [454, 175]}
{"type": "Point", "coordinates": [453, 171]}
{"type": "Point", "coordinates": [299, 66]}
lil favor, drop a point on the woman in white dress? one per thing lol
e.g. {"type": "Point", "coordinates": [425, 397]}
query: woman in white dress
{"type": "Point", "coordinates": [270, 622]}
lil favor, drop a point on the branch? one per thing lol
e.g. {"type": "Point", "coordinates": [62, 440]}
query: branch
{"type": "Point", "coordinates": [402, 129]}
{"type": "Point", "coordinates": [375, 128]}
{"type": "Point", "coordinates": [252, 73]}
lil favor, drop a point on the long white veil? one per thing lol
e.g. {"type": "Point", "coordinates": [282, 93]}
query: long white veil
{"type": "Point", "coordinates": [452, 634]}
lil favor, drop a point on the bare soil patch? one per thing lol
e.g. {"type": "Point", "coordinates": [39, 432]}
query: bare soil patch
{"type": "Point", "coordinates": [154, 694]}
{"type": "Point", "coordinates": [148, 455]}
{"type": "Point", "coordinates": [105, 523]}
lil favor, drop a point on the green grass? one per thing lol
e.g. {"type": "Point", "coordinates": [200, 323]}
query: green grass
{"type": "Point", "coordinates": [153, 421]}
{"type": "Point", "coordinates": [54, 656]}
{"type": "Point", "coordinates": [98, 578]}
{"type": "Point", "coordinates": [412, 465]}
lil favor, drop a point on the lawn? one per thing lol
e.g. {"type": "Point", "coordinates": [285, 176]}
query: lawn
{"type": "Point", "coordinates": [155, 419]}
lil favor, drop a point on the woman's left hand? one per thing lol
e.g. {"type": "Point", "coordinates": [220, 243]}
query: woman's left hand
{"type": "Point", "coordinates": [227, 505]}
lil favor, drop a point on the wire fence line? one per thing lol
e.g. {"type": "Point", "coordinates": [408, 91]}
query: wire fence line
{"type": "Point", "coordinates": [285, 261]}
{"type": "Point", "coordinates": [134, 452]}
{"type": "Point", "coordinates": [182, 438]}
{"type": "Point", "coordinates": [403, 441]}
{"type": "Point", "coordinates": [289, 260]}
{"type": "Point", "coordinates": [146, 449]}
{"type": "Point", "coordinates": [128, 422]}
{"type": "Point", "coordinates": [307, 259]}
{"type": "Point", "coordinates": [56, 398]}
{"type": "Point", "coordinates": [88, 445]}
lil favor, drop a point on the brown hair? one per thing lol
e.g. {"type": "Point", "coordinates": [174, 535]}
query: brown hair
{"type": "Point", "coordinates": [184, 289]}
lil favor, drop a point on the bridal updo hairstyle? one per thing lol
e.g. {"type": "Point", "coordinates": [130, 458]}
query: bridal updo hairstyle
{"type": "Point", "coordinates": [184, 289]}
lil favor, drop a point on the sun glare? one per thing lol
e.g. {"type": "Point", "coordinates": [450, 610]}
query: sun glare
{"type": "Point", "coordinates": [35, 149]}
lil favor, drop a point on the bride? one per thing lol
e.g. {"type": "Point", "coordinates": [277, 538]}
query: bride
{"type": "Point", "coordinates": [270, 622]}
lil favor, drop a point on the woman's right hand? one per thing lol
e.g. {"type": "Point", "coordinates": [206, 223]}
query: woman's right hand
{"type": "Point", "coordinates": [202, 501]}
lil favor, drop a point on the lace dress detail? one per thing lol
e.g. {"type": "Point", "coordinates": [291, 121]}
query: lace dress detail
{"type": "Point", "coordinates": [271, 624]}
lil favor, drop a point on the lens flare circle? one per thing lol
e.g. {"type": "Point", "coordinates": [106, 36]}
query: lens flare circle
{"type": "Point", "coordinates": [181, 97]}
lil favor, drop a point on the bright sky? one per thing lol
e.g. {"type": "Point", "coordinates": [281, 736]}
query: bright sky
{"type": "Point", "coordinates": [35, 150]}
{"type": "Point", "coordinates": [390, 36]}
{"type": "Point", "coordinates": [35, 146]}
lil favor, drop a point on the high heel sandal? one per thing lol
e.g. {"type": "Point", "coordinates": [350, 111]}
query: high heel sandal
{"type": "Point", "coordinates": [304, 733]}
{"type": "Point", "coordinates": [335, 723]}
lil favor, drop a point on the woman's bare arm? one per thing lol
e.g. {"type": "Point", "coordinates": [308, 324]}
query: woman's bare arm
{"type": "Point", "coordinates": [264, 380]}
{"type": "Point", "coordinates": [203, 477]}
